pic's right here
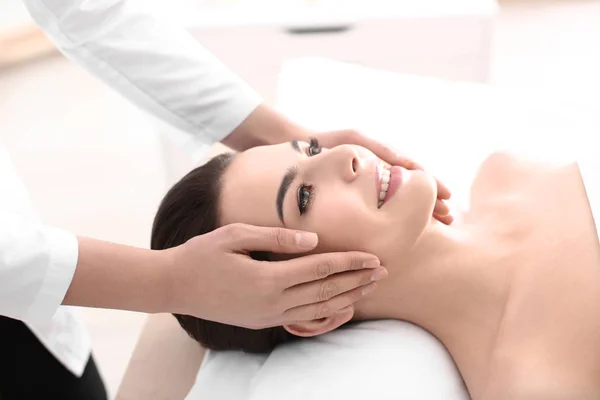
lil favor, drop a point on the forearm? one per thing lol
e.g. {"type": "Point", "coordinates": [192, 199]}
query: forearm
{"type": "Point", "coordinates": [164, 70]}
{"type": "Point", "coordinates": [265, 126]}
{"type": "Point", "coordinates": [156, 65]}
{"type": "Point", "coordinates": [115, 276]}
{"type": "Point", "coordinates": [164, 363]}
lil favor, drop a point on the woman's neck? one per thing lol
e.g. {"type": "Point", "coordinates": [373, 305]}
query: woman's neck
{"type": "Point", "coordinates": [454, 283]}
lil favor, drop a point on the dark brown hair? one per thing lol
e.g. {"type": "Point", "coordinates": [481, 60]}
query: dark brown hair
{"type": "Point", "coordinates": [191, 208]}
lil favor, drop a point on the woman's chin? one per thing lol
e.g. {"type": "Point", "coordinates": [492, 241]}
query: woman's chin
{"type": "Point", "coordinates": [408, 212]}
{"type": "Point", "coordinates": [417, 194]}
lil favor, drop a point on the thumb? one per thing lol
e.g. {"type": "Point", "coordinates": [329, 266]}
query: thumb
{"type": "Point", "coordinates": [275, 240]}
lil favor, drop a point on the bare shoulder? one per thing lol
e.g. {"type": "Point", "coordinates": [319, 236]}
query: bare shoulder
{"type": "Point", "coordinates": [499, 172]}
{"type": "Point", "coordinates": [532, 386]}
{"type": "Point", "coordinates": [501, 162]}
{"type": "Point", "coordinates": [511, 186]}
{"type": "Point", "coordinates": [507, 169]}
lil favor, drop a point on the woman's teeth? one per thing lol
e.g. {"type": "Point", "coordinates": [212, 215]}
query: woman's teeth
{"type": "Point", "coordinates": [385, 183]}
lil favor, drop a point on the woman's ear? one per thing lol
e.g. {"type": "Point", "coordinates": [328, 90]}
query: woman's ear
{"type": "Point", "coordinates": [320, 326]}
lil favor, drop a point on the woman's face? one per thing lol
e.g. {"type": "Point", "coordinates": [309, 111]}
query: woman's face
{"type": "Point", "coordinates": [335, 193]}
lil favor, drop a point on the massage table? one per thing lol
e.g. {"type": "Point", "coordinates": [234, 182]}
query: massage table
{"type": "Point", "coordinates": [450, 128]}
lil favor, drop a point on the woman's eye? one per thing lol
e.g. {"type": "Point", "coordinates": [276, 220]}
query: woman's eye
{"type": "Point", "coordinates": [304, 195]}
{"type": "Point", "coordinates": [314, 147]}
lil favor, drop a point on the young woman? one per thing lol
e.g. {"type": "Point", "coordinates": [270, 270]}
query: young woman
{"type": "Point", "coordinates": [511, 288]}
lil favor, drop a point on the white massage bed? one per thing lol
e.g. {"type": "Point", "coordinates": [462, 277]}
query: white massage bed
{"type": "Point", "coordinates": [431, 121]}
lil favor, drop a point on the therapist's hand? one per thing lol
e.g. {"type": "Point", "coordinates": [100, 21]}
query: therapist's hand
{"type": "Point", "coordinates": [348, 136]}
{"type": "Point", "coordinates": [214, 278]}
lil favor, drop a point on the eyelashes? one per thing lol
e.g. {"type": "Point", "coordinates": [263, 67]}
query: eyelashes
{"type": "Point", "coordinates": [314, 148]}
{"type": "Point", "coordinates": [306, 191]}
{"type": "Point", "coordinates": [305, 195]}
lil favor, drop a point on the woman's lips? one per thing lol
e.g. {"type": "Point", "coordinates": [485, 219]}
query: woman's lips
{"type": "Point", "coordinates": [389, 179]}
{"type": "Point", "coordinates": [395, 182]}
{"type": "Point", "coordinates": [382, 182]}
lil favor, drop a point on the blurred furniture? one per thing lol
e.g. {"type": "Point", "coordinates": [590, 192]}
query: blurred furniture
{"type": "Point", "coordinates": [447, 39]}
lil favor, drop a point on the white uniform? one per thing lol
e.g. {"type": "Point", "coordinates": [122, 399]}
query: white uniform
{"type": "Point", "coordinates": [159, 67]}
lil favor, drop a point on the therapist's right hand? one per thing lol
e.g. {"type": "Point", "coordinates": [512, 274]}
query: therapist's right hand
{"type": "Point", "coordinates": [214, 278]}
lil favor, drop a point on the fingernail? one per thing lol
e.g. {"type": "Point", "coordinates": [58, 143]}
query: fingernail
{"type": "Point", "coordinates": [371, 264]}
{"type": "Point", "coordinates": [345, 309]}
{"type": "Point", "coordinates": [369, 288]}
{"type": "Point", "coordinates": [379, 274]}
{"type": "Point", "coordinates": [306, 239]}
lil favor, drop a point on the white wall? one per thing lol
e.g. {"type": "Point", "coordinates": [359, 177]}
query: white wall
{"type": "Point", "coordinates": [13, 14]}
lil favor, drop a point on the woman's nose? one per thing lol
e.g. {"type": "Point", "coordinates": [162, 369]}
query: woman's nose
{"type": "Point", "coordinates": [346, 161]}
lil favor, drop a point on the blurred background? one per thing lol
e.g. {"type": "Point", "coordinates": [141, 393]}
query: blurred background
{"type": "Point", "coordinates": [96, 165]}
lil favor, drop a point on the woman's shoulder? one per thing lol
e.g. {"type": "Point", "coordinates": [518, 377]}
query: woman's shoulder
{"type": "Point", "coordinates": [507, 178]}
{"type": "Point", "coordinates": [498, 172]}
{"type": "Point", "coordinates": [507, 160]}
{"type": "Point", "coordinates": [507, 166]}
{"type": "Point", "coordinates": [501, 161]}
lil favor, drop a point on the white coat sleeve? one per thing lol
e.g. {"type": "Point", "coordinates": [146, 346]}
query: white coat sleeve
{"type": "Point", "coordinates": [156, 65]}
{"type": "Point", "coordinates": [37, 262]}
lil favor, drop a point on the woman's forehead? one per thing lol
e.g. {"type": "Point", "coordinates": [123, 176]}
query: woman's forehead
{"type": "Point", "coordinates": [250, 183]}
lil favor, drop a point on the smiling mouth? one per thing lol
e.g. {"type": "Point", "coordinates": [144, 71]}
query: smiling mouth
{"type": "Point", "coordinates": [383, 176]}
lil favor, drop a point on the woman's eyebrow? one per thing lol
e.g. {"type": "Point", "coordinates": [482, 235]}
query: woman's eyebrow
{"type": "Point", "coordinates": [287, 180]}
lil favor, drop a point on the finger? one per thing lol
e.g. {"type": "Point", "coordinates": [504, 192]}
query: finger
{"type": "Point", "coordinates": [325, 289]}
{"type": "Point", "coordinates": [327, 308]}
{"type": "Point", "coordinates": [407, 163]}
{"type": "Point", "coordinates": [241, 237]}
{"type": "Point", "coordinates": [384, 152]}
{"type": "Point", "coordinates": [446, 219]}
{"type": "Point", "coordinates": [443, 192]}
{"type": "Point", "coordinates": [441, 208]}
{"type": "Point", "coordinates": [349, 136]}
{"type": "Point", "coordinates": [347, 312]}
{"type": "Point", "coordinates": [319, 266]}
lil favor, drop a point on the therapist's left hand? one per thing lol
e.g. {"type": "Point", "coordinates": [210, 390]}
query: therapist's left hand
{"type": "Point", "coordinates": [331, 139]}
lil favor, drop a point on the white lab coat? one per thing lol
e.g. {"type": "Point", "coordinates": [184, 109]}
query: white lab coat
{"type": "Point", "coordinates": [157, 66]}
{"type": "Point", "coordinates": [37, 263]}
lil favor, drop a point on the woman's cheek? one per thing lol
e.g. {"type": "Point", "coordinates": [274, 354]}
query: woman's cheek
{"type": "Point", "coordinates": [343, 234]}
{"type": "Point", "coordinates": [341, 220]}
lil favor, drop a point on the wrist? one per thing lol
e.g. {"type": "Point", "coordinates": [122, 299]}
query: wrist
{"type": "Point", "coordinates": [110, 275]}
{"type": "Point", "coordinates": [265, 126]}
{"type": "Point", "coordinates": [167, 282]}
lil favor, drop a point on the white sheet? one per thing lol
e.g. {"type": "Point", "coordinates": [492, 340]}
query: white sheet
{"type": "Point", "coordinates": [431, 120]}
{"type": "Point", "coordinates": [373, 360]}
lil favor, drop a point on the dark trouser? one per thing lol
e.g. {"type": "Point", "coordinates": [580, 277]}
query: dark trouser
{"type": "Point", "coordinates": [29, 371]}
